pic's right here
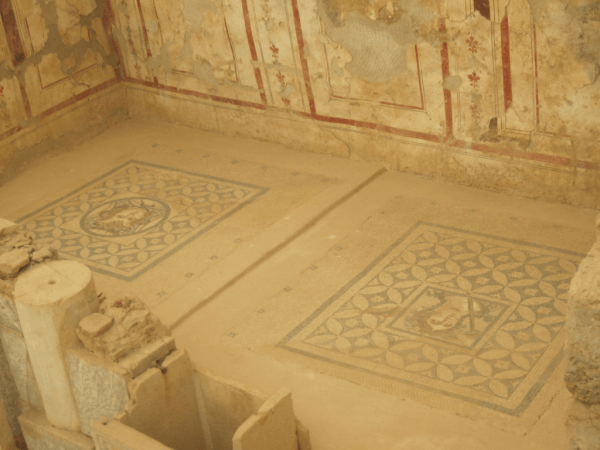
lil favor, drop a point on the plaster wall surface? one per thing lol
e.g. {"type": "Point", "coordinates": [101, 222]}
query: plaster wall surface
{"type": "Point", "coordinates": [487, 93]}
{"type": "Point", "coordinates": [55, 57]}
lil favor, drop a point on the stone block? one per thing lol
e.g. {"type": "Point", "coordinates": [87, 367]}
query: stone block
{"type": "Point", "coordinates": [112, 435]}
{"type": "Point", "coordinates": [8, 314]}
{"type": "Point", "coordinates": [273, 427]}
{"type": "Point", "coordinates": [95, 324]}
{"type": "Point", "coordinates": [224, 406]}
{"type": "Point", "coordinates": [144, 358]}
{"type": "Point", "coordinates": [7, 227]}
{"type": "Point", "coordinates": [163, 404]}
{"type": "Point", "coordinates": [133, 327]}
{"type": "Point", "coordinates": [13, 261]}
{"type": "Point", "coordinates": [41, 254]}
{"type": "Point", "coordinates": [41, 435]}
{"type": "Point", "coordinates": [100, 388]}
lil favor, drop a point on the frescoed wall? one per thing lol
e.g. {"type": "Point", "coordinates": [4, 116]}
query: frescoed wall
{"type": "Point", "coordinates": [53, 55]}
{"type": "Point", "coordinates": [490, 93]}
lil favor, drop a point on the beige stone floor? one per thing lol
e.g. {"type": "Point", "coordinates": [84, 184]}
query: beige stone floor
{"type": "Point", "coordinates": [288, 232]}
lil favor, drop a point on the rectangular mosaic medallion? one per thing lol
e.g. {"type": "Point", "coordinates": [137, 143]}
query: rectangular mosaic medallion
{"type": "Point", "coordinates": [457, 313]}
{"type": "Point", "coordinates": [133, 217]}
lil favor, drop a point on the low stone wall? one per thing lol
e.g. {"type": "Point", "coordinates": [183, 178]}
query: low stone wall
{"type": "Point", "coordinates": [82, 372]}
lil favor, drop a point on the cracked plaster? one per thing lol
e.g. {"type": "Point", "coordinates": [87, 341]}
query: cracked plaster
{"type": "Point", "coordinates": [376, 62]}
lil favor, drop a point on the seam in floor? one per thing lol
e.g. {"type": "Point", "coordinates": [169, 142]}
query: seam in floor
{"type": "Point", "coordinates": [329, 209]}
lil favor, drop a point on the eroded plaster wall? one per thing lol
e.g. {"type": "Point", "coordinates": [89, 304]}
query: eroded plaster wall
{"type": "Point", "coordinates": [54, 56]}
{"type": "Point", "coordinates": [496, 94]}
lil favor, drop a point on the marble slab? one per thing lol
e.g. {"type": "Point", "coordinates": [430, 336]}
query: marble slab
{"type": "Point", "coordinates": [99, 391]}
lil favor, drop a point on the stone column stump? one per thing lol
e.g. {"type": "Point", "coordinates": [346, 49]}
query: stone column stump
{"type": "Point", "coordinates": [51, 299]}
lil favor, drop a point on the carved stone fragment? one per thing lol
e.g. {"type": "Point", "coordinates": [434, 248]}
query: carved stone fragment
{"type": "Point", "coordinates": [13, 261]}
{"type": "Point", "coordinates": [133, 326]}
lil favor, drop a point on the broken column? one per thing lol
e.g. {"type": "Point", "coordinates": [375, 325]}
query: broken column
{"type": "Point", "coordinates": [18, 387]}
{"type": "Point", "coordinates": [583, 352]}
{"type": "Point", "coordinates": [51, 299]}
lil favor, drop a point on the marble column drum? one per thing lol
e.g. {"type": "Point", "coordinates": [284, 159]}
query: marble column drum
{"type": "Point", "coordinates": [51, 299]}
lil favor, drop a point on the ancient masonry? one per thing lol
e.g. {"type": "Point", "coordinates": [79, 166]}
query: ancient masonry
{"type": "Point", "coordinates": [121, 381]}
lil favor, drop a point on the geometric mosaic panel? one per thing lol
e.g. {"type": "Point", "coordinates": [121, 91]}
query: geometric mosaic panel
{"type": "Point", "coordinates": [133, 217]}
{"type": "Point", "coordinates": [458, 313]}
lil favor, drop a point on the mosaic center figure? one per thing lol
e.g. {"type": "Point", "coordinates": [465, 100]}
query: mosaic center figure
{"type": "Point", "coordinates": [450, 314]}
{"type": "Point", "coordinates": [453, 317]}
{"type": "Point", "coordinates": [125, 217]}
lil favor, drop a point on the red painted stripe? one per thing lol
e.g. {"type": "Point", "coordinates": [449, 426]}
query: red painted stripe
{"type": "Point", "coordinates": [248, 25]}
{"type": "Point", "coordinates": [78, 97]}
{"type": "Point", "coordinates": [587, 165]}
{"type": "Point", "coordinates": [506, 75]}
{"type": "Point", "coordinates": [447, 94]}
{"type": "Point", "coordinates": [58, 107]}
{"type": "Point", "coordinates": [62, 80]}
{"type": "Point", "coordinates": [555, 160]}
{"type": "Point", "coordinates": [539, 157]}
{"type": "Point", "coordinates": [537, 96]}
{"type": "Point", "coordinates": [108, 21]}
{"type": "Point", "coordinates": [238, 102]}
{"type": "Point", "coordinates": [197, 94]}
{"type": "Point", "coordinates": [9, 20]}
{"type": "Point", "coordinates": [300, 38]}
{"type": "Point", "coordinates": [253, 52]}
{"type": "Point", "coordinates": [26, 103]}
{"type": "Point", "coordinates": [10, 132]}
{"type": "Point", "coordinates": [144, 31]}
{"type": "Point", "coordinates": [375, 126]}
{"type": "Point", "coordinates": [237, 77]}
{"type": "Point", "coordinates": [142, 82]}
{"type": "Point", "coordinates": [419, 77]}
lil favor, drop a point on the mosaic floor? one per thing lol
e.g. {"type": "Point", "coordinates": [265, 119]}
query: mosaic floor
{"type": "Point", "coordinates": [130, 219]}
{"type": "Point", "coordinates": [461, 314]}
{"type": "Point", "coordinates": [459, 309]}
{"type": "Point", "coordinates": [402, 313]}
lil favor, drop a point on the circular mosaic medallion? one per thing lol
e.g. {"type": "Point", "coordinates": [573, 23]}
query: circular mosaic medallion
{"type": "Point", "coordinates": [125, 217]}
